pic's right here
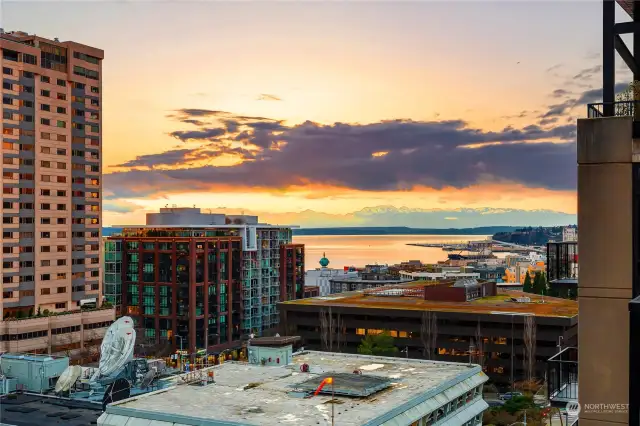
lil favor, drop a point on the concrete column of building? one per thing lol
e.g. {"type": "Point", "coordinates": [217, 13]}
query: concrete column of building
{"type": "Point", "coordinates": [218, 287]}
{"type": "Point", "coordinates": [605, 219]}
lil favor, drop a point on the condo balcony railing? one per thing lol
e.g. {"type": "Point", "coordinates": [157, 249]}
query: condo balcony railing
{"type": "Point", "coordinates": [562, 376]}
{"type": "Point", "coordinates": [612, 109]}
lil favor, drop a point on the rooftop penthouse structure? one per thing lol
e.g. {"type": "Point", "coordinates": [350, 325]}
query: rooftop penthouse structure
{"type": "Point", "coordinates": [366, 390]}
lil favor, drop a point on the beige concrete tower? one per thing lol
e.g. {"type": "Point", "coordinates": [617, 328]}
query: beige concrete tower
{"type": "Point", "coordinates": [605, 220]}
{"type": "Point", "coordinates": [51, 174]}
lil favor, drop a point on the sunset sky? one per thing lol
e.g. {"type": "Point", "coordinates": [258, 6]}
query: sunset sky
{"type": "Point", "coordinates": [300, 109]}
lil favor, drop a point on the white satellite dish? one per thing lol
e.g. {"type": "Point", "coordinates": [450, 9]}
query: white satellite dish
{"type": "Point", "coordinates": [117, 348]}
{"type": "Point", "coordinates": [68, 378]}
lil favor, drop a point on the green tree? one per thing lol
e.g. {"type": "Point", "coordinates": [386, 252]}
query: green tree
{"type": "Point", "coordinates": [378, 344]}
{"type": "Point", "coordinates": [528, 288]}
{"type": "Point", "coordinates": [38, 313]}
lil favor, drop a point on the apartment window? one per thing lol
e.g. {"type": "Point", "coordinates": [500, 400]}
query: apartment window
{"type": "Point", "coordinates": [61, 249]}
{"type": "Point", "coordinates": [45, 178]}
{"type": "Point", "coordinates": [27, 89]}
{"type": "Point", "coordinates": [7, 250]}
{"type": "Point", "coordinates": [7, 86]}
{"type": "Point", "coordinates": [26, 162]}
{"type": "Point", "coordinates": [7, 71]}
{"type": "Point", "coordinates": [26, 118]}
{"type": "Point", "coordinates": [47, 136]}
{"type": "Point", "coordinates": [61, 289]}
{"type": "Point", "coordinates": [78, 126]}
{"type": "Point", "coordinates": [61, 305]}
{"type": "Point", "coordinates": [61, 276]}
{"type": "Point", "coordinates": [45, 107]}
{"type": "Point", "coordinates": [78, 112]}
{"type": "Point", "coordinates": [45, 291]}
{"type": "Point", "coordinates": [26, 104]}
{"type": "Point", "coordinates": [78, 99]}
{"type": "Point", "coordinates": [7, 115]}
{"type": "Point", "coordinates": [26, 147]}
{"type": "Point", "coordinates": [62, 138]}
{"type": "Point", "coordinates": [27, 293]}
{"type": "Point", "coordinates": [95, 89]}
{"type": "Point", "coordinates": [94, 75]}
{"type": "Point", "coordinates": [45, 206]}
{"type": "Point", "coordinates": [45, 277]}
{"type": "Point", "coordinates": [26, 206]}
{"type": "Point", "coordinates": [45, 192]}
{"type": "Point", "coordinates": [45, 164]}
{"type": "Point", "coordinates": [95, 102]}
{"type": "Point", "coordinates": [79, 86]}
{"type": "Point", "coordinates": [85, 57]}
{"type": "Point", "coordinates": [77, 153]}
{"type": "Point", "coordinates": [61, 151]}
{"type": "Point", "coordinates": [29, 59]}
{"type": "Point", "coordinates": [62, 83]}
{"type": "Point", "coordinates": [45, 235]}
{"type": "Point", "coordinates": [7, 100]}
{"type": "Point", "coordinates": [45, 93]}
{"type": "Point", "coordinates": [95, 128]}
{"type": "Point", "coordinates": [78, 194]}
{"type": "Point", "coordinates": [45, 79]}
{"type": "Point", "coordinates": [62, 207]}
{"type": "Point", "coordinates": [26, 220]}
{"type": "Point", "coordinates": [45, 220]}
{"type": "Point", "coordinates": [61, 262]}
{"type": "Point", "coordinates": [61, 234]}
{"type": "Point", "coordinates": [45, 121]}
{"type": "Point", "coordinates": [61, 123]}
{"type": "Point", "coordinates": [61, 110]}
{"type": "Point", "coordinates": [28, 74]}
{"type": "Point", "coordinates": [62, 97]}
{"type": "Point", "coordinates": [8, 205]}
{"type": "Point", "coordinates": [61, 179]}
{"type": "Point", "coordinates": [61, 166]}
{"type": "Point", "coordinates": [61, 221]}
{"type": "Point", "coordinates": [61, 193]}
{"type": "Point", "coordinates": [45, 249]}
{"type": "Point", "coordinates": [7, 235]}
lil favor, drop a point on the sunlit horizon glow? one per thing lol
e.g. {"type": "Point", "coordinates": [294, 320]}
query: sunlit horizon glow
{"type": "Point", "coordinates": [348, 67]}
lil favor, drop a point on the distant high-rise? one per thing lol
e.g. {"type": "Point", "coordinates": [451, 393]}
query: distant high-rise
{"type": "Point", "coordinates": [51, 174]}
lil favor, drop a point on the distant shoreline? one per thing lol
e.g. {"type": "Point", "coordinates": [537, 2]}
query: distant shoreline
{"type": "Point", "coordinates": [355, 231]}
{"type": "Point", "coordinates": [383, 230]}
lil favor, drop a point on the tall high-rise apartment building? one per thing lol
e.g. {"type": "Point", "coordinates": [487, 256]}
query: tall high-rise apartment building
{"type": "Point", "coordinates": [51, 174]}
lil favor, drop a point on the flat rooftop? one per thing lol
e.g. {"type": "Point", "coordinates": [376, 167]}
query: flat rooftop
{"type": "Point", "coordinates": [36, 410]}
{"type": "Point", "coordinates": [257, 395]}
{"type": "Point", "coordinates": [500, 304]}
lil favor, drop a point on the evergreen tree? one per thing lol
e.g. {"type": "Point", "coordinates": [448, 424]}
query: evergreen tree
{"type": "Point", "coordinates": [528, 288]}
{"type": "Point", "coordinates": [378, 344]}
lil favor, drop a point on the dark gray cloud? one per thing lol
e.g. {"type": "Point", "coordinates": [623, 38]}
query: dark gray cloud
{"type": "Point", "coordinates": [588, 73]}
{"type": "Point", "coordinates": [389, 155]}
{"type": "Point", "coordinates": [559, 93]}
{"type": "Point", "coordinates": [186, 135]}
{"type": "Point", "coordinates": [268, 97]}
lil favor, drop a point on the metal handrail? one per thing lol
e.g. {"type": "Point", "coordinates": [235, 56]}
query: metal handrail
{"type": "Point", "coordinates": [612, 109]}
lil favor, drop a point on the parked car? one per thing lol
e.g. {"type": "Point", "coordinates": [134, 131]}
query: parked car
{"type": "Point", "coordinates": [495, 403]}
{"type": "Point", "coordinates": [508, 395]}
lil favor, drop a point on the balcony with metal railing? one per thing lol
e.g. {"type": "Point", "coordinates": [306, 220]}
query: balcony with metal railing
{"type": "Point", "coordinates": [562, 377]}
{"type": "Point", "coordinates": [612, 109]}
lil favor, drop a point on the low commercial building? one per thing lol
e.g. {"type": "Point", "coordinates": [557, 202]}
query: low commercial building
{"type": "Point", "coordinates": [366, 390]}
{"type": "Point", "coordinates": [447, 321]}
{"type": "Point", "coordinates": [70, 333]}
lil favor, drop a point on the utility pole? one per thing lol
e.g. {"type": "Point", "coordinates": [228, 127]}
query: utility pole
{"type": "Point", "coordinates": [512, 352]}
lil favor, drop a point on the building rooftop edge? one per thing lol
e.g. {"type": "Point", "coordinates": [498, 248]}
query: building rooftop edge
{"type": "Point", "coordinates": [231, 226]}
